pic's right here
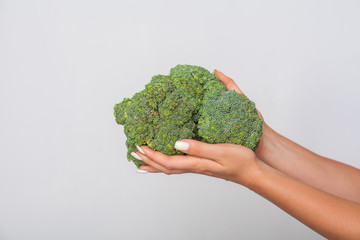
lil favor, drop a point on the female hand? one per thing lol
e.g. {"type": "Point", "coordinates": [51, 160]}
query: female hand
{"type": "Point", "coordinates": [227, 161]}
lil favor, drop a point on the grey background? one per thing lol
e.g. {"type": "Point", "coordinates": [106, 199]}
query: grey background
{"type": "Point", "coordinates": [64, 64]}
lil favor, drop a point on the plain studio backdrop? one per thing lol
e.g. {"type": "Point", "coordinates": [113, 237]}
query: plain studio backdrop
{"type": "Point", "coordinates": [64, 64]}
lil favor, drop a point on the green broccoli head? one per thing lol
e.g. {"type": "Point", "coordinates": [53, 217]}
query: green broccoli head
{"type": "Point", "coordinates": [188, 103]}
{"type": "Point", "coordinates": [230, 118]}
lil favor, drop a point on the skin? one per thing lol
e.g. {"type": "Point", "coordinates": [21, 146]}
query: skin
{"type": "Point", "coordinates": [321, 193]}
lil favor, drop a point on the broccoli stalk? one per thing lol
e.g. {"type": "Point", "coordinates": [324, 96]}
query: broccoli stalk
{"type": "Point", "coordinates": [188, 103]}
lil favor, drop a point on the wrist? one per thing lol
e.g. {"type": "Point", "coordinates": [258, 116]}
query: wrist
{"type": "Point", "coordinates": [258, 176]}
{"type": "Point", "coordinates": [249, 177]}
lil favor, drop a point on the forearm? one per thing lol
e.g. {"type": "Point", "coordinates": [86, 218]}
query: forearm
{"type": "Point", "coordinates": [332, 217]}
{"type": "Point", "coordinates": [300, 163]}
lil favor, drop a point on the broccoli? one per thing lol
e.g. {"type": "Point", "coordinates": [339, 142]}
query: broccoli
{"type": "Point", "coordinates": [189, 103]}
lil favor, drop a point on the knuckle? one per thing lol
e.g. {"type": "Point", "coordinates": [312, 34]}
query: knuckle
{"type": "Point", "coordinates": [160, 157]}
{"type": "Point", "coordinates": [223, 150]}
{"type": "Point", "coordinates": [197, 149]}
{"type": "Point", "coordinates": [157, 155]}
{"type": "Point", "coordinates": [195, 166]}
{"type": "Point", "coordinates": [169, 167]}
{"type": "Point", "coordinates": [169, 164]}
{"type": "Point", "coordinates": [199, 167]}
{"type": "Point", "coordinates": [229, 80]}
{"type": "Point", "coordinates": [202, 168]}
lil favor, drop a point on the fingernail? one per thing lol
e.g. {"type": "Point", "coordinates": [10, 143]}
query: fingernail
{"type": "Point", "coordinates": [136, 156]}
{"type": "Point", "coordinates": [183, 146]}
{"type": "Point", "coordinates": [140, 150]}
{"type": "Point", "coordinates": [141, 171]}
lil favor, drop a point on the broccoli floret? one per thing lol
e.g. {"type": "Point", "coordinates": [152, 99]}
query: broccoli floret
{"type": "Point", "coordinates": [188, 103]}
{"type": "Point", "coordinates": [230, 118]}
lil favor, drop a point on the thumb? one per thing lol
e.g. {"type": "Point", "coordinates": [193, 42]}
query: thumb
{"type": "Point", "coordinates": [228, 82]}
{"type": "Point", "coordinates": [201, 149]}
{"type": "Point", "coordinates": [230, 85]}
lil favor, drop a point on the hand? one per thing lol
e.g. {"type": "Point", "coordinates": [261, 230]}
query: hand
{"type": "Point", "coordinates": [227, 161]}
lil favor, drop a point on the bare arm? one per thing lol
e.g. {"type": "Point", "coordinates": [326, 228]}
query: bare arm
{"type": "Point", "coordinates": [321, 193]}
{"type": "Point", "coordinates": [329, 215]}
{"type": "Point", "coordinates": [323, 173]}
{"type": "Point", "coordinates": [298, 162]}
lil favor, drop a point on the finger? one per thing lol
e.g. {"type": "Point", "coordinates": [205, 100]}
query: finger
{"type": "Point", "coordinates": [151, 163]}
{"type": "Point", "coordinates": [230, 85]}
{"type": "Point", "coordinates": [149, 168]}
{"type": "Point", "coordinates": [192, 147]}
{"type": "Point", "coordinates": [228, 82]}
{"type": "Point", "coordinates": [159, 167]}
{"type": "Point", "coordinates": [179, 164]}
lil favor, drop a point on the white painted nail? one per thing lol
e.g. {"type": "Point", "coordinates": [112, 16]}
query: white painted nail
{"type": "Point", "coordinates": [141, 171]}
{"type": "Point", "coordinates": [183, 146]}
{"type": "Point", "coordinates": [140, 150]}
{"type": "Point", "coordinates": [136, 156]}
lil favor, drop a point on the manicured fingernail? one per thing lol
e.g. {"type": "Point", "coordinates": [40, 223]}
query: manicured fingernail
{"type": "Point", "coordinates": [140, 150]}
{"type": "Point", "coordinates": [141, 171]}
{"type": "Point", "coordinates": [183, 146]}
{"type": "Point", "coordinates": [136, 156]}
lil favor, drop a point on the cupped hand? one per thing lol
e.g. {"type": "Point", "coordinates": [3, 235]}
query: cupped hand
{"type": "Point", "coordinates": [227, 161]}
